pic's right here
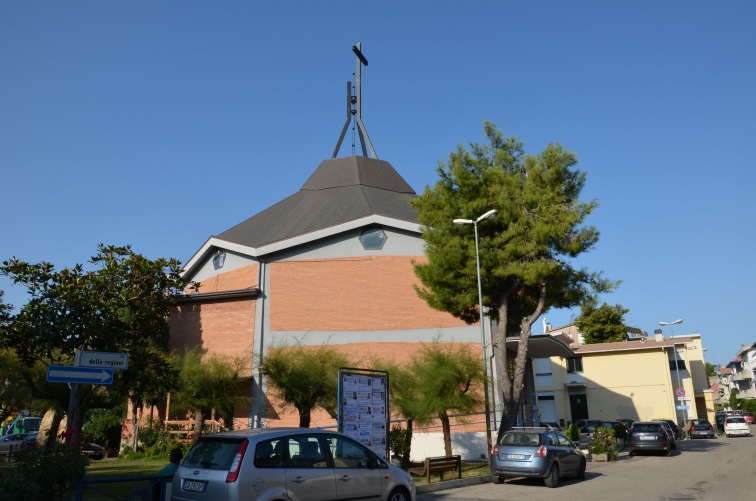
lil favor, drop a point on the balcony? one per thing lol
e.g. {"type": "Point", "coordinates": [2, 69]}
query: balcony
{"type": "Point", "coordinates": [742, 376]}
{"type": "Point", "coordinates": [749, 393]}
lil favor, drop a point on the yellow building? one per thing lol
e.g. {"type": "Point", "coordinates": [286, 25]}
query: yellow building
{"type": "Point", "coordinates": [641, 378]}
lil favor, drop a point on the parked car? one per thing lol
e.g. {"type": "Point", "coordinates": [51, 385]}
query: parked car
{"type": "Point", "coordinates": [649, 436]}
{"type": "Point", "coordinates": [736, 425]}
{"type": "Point", "coordinates": [700, 428]}
{"type": "Point", "coordinates": [94, 451]}
{"type": "Point", "coordinates": [287, 463]}
{"type": "Point", "coordinates": [9, 444]}
{"type": "Point", "coordinates": [30, 440]}
{"type": "Point", "coordinates": [536, 453]}
{"type": "Point", "coordinates": [627, 422]}
{"type": "Point", "coordinates": [672, 425]}
{"type": "Point", "coordinates": [668, 428]}
{"type": "Point", "coordinates": [749, 417]}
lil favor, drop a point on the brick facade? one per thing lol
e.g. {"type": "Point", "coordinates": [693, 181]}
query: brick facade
{"type": "Point", "coordinates": [361, 293]}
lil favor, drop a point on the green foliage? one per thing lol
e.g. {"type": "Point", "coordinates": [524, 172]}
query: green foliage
{"type": "Point", "coordinates": [711, 370]}
{"type": "Point", "coordinates": [104, 426]}
{"type": "Point", "coordinates": [603, 324]}
{"type": "Point", "coordinates": [207, 382]}
{"type": "Point", "coordinates": [526, 251]}
{"type": "Point", "coordinates": [573, 432]}
{"type": "Point", "coordinates": [155, 442]}
{"type": "Point", "coordinates": [450, 379]}
{"type": "Point", "coordinates": [734, 402]}
{"type": "Point", "coordinates": [121, 305]}
{"type": "Point", "coordinates": [603, 442]}
{"type": "Point", "coordinates": [305, 377]}
{"type": "Point", "coordinates": [398, 443]}
{"type": "Point", "coordinates": [748, 405]}
{"type": "Point", "coordinates": [43, 473]}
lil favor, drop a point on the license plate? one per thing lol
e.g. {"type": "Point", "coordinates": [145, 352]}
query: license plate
{"type": "Point", "coordinates": [515, 456]}
{"type": "Point", "coordinates": [192, 486]}
{"type": "Point", "coordinates": [648, 437]}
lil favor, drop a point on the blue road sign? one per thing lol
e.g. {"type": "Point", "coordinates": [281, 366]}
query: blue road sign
{"type": "Point", "coordinates": [84, 375]}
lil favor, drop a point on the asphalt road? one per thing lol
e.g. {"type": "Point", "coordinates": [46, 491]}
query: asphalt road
{"type": "Point", "coordinates": [707, 469]}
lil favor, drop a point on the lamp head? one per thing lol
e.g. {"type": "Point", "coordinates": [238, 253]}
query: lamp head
{"type": "Point", "coordinates": [463, 221]}
{"type": "Point", "coordinates": [487, 215]}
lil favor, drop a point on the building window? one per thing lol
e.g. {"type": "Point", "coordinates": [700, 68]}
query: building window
{"type": "Point", "coordinates": [680, 365]}
{"type": "Point", "coordinates": [373, 238]}
{"type": "Point", "coordinates": [574, 365]}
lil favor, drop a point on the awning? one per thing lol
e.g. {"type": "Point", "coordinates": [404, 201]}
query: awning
{"type": "Point", "coordinates": [541, 346]}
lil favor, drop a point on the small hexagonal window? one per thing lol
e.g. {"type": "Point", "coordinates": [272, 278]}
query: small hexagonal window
{"type": "Point", "coordinates": [373, 238]}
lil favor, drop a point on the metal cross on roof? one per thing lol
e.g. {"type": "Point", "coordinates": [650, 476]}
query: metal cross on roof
{"type": "Point", "coordinates": [354, 107]}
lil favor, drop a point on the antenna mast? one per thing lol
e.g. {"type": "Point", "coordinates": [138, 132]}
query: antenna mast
{"type": "Point", "coordinates": [354, 107]}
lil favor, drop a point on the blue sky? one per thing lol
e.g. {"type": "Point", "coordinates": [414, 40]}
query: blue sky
{"type": "Point", "coordinates": [160, 124]}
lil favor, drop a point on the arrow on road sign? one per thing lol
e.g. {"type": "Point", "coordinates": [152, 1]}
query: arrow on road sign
{"type": "Point", "coordinates": [85, 375]}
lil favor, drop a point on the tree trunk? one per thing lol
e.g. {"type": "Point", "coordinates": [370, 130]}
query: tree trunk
{"type": "Point", "coordinates": [198, 418]}
{"type": "Point", "coordinates": [444, 417]}
{"type": "Point", "coordinates": [75, 415]}
{"type": "Point", "coordinates": [407, 444]}
{"type": "Point", "coordinates": [513, 381]}
{"type": "Point", "coordinates": [304, 418]}
{"type": "Point", "coordinates": [136, 421]}
{"type": "Point", "coordinates": [52, 434]}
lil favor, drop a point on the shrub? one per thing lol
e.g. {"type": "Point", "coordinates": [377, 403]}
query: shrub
{"type": "Point", "coordinates": [104, 428]}
{"type": "Point", "coordinates": [573, 432]}
{"type": "Point", "coordinates": [43, 473]}
{"type": "Point", "coordinates": [603, 442]}
{"type": "Point", "coordinates": [398, 441]}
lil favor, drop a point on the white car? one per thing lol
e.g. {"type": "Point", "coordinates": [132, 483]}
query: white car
{"type": "Point", "coordinates": [736, 425]}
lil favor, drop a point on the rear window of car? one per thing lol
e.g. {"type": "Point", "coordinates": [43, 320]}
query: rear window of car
{"type": "Point", "coordinates": [521, 439]}
{"type": "Point", "coordinates": [699, 422]}
{"type": "Point", "coordinates": [647, 428]}
{"type": "Point", "coordinates": [213, 453]}
{"type": "Point", "coordinates": [735, 420]}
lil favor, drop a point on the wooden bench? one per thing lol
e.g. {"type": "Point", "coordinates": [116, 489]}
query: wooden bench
{"type": "Point", "coordinates": [439, 464]}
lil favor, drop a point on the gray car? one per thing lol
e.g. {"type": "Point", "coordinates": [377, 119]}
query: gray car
{"type": "Point", "coordinates": [296, 464]}
{"type": "Point", "coordinates": [536, 453]}
{"type": "Point", "coordinates": [700, 428]}
{"type": "Point", "coordinates": [650, 436]}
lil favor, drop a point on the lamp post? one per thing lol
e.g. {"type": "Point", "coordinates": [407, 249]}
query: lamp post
{"type": "Point", "coordinates": [487, 215]}
{"type": "Point", "coordinates": [677, 364]}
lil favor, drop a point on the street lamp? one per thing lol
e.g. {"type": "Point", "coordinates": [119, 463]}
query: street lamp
{"type": "Point", "coordinates": [487, 215]}
{"type": "Point", "coordinates": [677, 364]}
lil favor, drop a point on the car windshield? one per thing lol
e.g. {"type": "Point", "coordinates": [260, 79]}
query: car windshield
{"type": "Point", "coordinates": [735, 420]}
{"type": "Point", "coordinates": [521, 439]}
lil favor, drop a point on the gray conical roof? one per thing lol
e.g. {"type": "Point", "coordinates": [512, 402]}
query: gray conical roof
{"type": "Point", "coordinates": [340, 190]}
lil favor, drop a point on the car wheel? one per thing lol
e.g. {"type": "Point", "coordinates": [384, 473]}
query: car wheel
{"type": "Point", "coordinates": [497, 479]}
{"type": "Point", "coordinates": [631, 453]}
{"type": "Point", "coordinates": [399, 494]}
{"type": "Point", "coordinates": [581, 470]}
{"type": "Point", "coordinates": [553, 479]}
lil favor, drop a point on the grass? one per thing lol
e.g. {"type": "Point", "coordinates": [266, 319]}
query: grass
{"type": "Point", "coordinates": [116, 467]}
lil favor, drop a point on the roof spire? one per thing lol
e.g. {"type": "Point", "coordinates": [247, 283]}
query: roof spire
{"type": "Point", "coordinates": [354, 107]}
